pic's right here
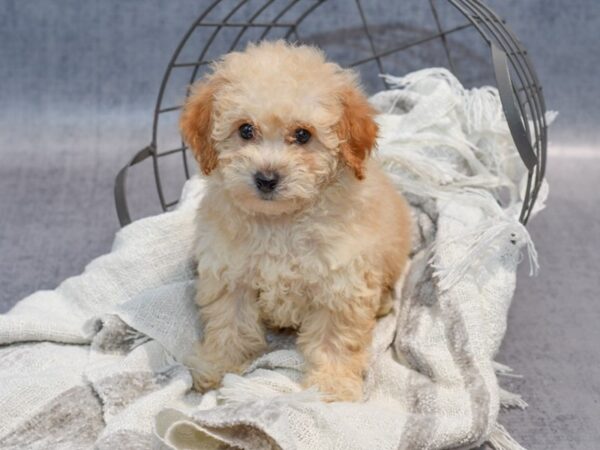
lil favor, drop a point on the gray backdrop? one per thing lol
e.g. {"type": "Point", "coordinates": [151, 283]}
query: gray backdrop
{"type": "Point", "coordinates": [78, 81]}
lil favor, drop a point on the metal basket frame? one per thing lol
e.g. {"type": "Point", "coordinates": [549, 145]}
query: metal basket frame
{"type": "Point", "coordinates": [519, 88]}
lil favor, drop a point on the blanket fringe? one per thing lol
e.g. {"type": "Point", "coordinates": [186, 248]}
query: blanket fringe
{"type": "Point", "coordinates": [501, 440]}
{"type": "Point", "coordinates": [511, 400]}
{"type": "Point", "coordinates": [481, 146]}
{"type": "Point", "coordinates": [505, 371]}
{"type": "Point", "coordinates": [481, 241]}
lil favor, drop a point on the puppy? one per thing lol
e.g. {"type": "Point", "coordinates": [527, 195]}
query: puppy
{"type": "Point", "coordinates": [298, 228]}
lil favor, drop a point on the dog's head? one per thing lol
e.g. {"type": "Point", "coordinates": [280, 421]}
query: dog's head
{"type": "Point", "coordinates": [277, 123]}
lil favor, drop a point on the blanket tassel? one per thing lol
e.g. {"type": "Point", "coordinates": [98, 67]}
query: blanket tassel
{"type": "Point", "coordinates": [501, 440]}
{"type": "Point", "coordinates": [511, 400]}
{"type": "Point", "coordinates": [504, 371]}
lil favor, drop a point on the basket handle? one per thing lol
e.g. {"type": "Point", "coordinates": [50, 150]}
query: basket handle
{"type": "Point", "coordinates": [513, 118]}
{"type": "Point", "coordinates": [121, 184]}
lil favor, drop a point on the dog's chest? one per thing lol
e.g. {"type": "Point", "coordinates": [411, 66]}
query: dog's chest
{"type": "Point", "coordinates": [284, 275]}
{"type": "Point", "coordinates": [288, 268]}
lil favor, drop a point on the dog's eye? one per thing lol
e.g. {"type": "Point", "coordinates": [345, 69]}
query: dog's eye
{"type": "Point", "coordinates": [246, 131]}
{"type": "Point", "coordinates": [302, 136]}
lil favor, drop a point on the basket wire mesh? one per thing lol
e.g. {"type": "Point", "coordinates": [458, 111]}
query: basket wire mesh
{"type": "Point", "coordinates": [519, 88]}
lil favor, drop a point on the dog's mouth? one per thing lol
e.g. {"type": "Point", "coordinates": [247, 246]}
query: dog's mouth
{"type": "Point", "coordinates": [267, 196]}
{"type": "Point", "coordinates": [272, 203]}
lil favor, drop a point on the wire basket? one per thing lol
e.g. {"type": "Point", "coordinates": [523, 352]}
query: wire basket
{"type": "Point", "coordinates": [465, 36]}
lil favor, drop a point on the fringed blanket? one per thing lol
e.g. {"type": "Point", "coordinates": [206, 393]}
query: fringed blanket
{"type": "Point", "coordinates": [97, 362]}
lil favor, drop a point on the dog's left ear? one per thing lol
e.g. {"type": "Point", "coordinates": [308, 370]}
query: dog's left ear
{"type": "Point", "coordinates": [357, 130]}
{"type": "Point", "coordinates": [196, 124]}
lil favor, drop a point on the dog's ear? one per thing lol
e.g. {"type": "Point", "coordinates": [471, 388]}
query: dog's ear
{"type": "Point", "coordinates": [356, 130]}
{"type": "Point", "coordinates": [196, 123]}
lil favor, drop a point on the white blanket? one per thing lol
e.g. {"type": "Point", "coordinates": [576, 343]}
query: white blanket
{"type": "Point", "coordinates": [96, 362]}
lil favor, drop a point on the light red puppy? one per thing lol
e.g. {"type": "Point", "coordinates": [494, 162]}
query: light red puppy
{"type": "Point", "coordinates": [298, 228]}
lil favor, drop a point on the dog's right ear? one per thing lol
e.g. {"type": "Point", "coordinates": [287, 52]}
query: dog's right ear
{"type": "Point", "coordinates": [196, 123]}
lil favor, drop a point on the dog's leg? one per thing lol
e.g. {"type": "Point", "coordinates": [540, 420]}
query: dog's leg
{"type": "Point", "coordinates": [232, 335]}
{"type": "Point", "coordinates": [386, 302]}
{"type": "Point", "coordinates": [335, 345]}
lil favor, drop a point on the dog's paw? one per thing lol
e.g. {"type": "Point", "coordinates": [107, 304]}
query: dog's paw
{"type": "Point", "coordinates": [335, 388]}
{"type": "Point", "coordinates": [205, 376]}
{"type": "Point", "coordinates": [204, 382]}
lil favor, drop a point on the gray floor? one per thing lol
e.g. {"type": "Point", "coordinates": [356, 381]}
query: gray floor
{"type": "Point", "coordinates": [78, 82]}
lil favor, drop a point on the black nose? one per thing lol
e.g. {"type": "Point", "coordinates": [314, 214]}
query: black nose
{"type": "Point", "coordinates": [266, 181]}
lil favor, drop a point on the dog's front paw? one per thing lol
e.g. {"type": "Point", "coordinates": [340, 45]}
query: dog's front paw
{"type": "Point", "coordinates": [336, 388]}
{"type": "Point", "coordinates": [205, 376]}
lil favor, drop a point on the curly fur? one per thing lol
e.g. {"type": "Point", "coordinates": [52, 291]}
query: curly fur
{"type": "Point", "coordinates": [322, 254]}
